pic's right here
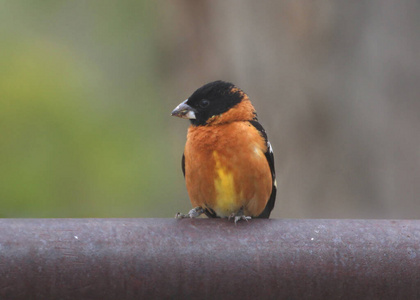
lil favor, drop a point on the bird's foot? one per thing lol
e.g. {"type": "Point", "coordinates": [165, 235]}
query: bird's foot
{"type": "Point", "coordinates": [193, 213]}
{"type": "Point", "coordinates": [239, 216]}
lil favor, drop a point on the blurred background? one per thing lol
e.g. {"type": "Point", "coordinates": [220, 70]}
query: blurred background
{"type": "Point", "coordinates": [87, 87]}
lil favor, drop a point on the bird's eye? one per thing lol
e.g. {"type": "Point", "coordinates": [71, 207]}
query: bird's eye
{"type": "Point", "coordinates": [204, 103]}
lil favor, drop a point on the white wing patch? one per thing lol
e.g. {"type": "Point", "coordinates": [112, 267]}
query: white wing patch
{"type": "Point", "coordinates": [270, 149]}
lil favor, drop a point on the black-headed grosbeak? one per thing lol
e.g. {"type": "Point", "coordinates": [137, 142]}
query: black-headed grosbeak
{"type": "Point", "coordinates": [228, 162]}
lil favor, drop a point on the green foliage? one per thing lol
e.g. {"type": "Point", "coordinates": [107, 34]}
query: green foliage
{"type": "Point", "coordinates": [80, 121]}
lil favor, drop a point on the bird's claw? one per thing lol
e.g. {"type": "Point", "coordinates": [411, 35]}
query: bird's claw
{"type": "Point", "coordinates": [193, 213]}
{"type": "Point", "coordinates": [239, 216]}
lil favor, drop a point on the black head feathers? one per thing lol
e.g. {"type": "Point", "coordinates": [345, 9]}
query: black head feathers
{"type": "Point", "coordinates": [213, 99]}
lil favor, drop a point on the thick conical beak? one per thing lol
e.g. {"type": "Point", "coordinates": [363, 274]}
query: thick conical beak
{"type": "Point", "coordinates": [184, 111]}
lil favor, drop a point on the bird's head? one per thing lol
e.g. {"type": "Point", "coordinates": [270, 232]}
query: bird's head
{"type": "Point", "coordinates": [216, 103]}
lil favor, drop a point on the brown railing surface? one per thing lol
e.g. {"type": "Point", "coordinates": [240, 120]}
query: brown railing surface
{"type": "Point", "coordinates": [209, 259]}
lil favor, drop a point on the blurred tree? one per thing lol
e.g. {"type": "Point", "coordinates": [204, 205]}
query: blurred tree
{"type": "Point", "coordinates": [336, 86]}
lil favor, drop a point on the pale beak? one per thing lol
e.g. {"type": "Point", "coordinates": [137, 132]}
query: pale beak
{"type": "Point", "coordinates": [184, 111]}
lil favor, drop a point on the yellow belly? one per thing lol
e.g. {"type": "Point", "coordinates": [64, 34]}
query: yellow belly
{"type": "Point", "coordinates": [226, 194]}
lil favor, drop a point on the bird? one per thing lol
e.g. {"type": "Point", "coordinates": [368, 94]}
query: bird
{"type": "Point", "coordinates": [228, 162]}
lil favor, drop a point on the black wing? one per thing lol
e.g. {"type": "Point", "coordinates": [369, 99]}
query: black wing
{"type": "Point", "coordinates": [270, 159]}
{"type": "Point", "coordinates": [183, 164]}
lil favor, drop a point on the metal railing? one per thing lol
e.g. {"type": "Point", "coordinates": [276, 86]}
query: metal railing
{"type": "Point", "coordinates": [209, 259]}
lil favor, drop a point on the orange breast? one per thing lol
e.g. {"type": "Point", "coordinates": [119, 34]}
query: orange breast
{"type": "Point", "coordinates": [226, 169]}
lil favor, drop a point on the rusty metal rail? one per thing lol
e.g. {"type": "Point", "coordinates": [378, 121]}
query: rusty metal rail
{"type": "Point", "coordinates": [209, 259]}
